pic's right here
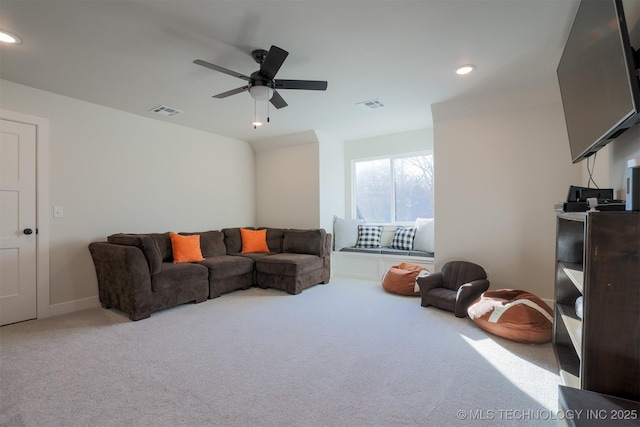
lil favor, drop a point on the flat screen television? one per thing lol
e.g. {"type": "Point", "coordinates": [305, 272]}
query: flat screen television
{"type": "Point", "coordinates": [598, 78]}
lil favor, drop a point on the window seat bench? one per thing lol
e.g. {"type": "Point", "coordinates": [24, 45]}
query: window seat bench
{"type": "Point", "coordinates": [372, 263]}
{"type": "Point", "coordinates": [384, 250]}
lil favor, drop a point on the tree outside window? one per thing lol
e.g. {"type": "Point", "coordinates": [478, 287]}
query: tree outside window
{"type": "Point", "coordinates": [398, 189]}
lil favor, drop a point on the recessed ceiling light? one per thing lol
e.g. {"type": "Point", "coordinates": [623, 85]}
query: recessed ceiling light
{"type": "Point", "coordinates": [7, 37]}
{"type": "Point", "coordinates": [465, 69]}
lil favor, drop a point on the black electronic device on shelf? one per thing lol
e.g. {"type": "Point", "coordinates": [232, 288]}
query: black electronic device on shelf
{"type": "Point", "coordinates": [581, 194]}
{"type": "Point", "coordinates": [578, 200]}
{"type": "Point", "coordinates": [602, 205]}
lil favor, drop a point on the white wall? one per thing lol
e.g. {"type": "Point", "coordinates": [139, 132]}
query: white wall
{"type": "Point", "coordinates": [117, 172]}
{"type": "Point", "coordinates": [299, 180]}
{"type": "Point", "coordinates": [502, 162]}
{"type": "Point", "coordinates": [332, 179]}
{"type": "Point", "coordinates": [379, 146]}
{"type": "Point", "coordinates": [287, 183]}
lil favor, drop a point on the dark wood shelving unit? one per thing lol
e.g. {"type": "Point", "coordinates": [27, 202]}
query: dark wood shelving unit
{"type": "Point", "coordinates": [598, 258]}
{"type": "Point", "coordinates": [590, 409]}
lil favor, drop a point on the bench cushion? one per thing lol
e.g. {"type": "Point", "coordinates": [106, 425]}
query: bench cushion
{"type": "Point", "coordinates": [385, 250]}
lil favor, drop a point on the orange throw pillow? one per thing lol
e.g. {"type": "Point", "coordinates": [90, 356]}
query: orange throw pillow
{"type": "Point", "coordinates": [254, 241]}
{"type": "Point", "coordinates": [186, 248]}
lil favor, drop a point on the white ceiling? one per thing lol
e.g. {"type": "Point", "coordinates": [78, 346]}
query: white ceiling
{"type": "Point", "coordinates": [134, 55]}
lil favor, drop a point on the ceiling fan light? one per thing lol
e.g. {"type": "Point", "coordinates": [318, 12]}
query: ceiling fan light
{"type": "Point", "coordinates": [261, 93]}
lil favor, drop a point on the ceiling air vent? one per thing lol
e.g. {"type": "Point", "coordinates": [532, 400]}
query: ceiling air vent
{"type": "Point", "coordinates": [374, 104]}
{"type": "Point", "coordinates": [163, 110]}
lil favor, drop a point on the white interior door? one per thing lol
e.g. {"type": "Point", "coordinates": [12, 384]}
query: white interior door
{"type": "Point", "coordinates": [17, 222]}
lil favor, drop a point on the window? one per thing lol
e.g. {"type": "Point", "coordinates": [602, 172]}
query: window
{"type": "Point", "coordinates": [394, 189]}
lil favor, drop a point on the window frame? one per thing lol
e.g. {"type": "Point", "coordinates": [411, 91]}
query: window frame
{"type": "Point", "coordinates": [390, 157]}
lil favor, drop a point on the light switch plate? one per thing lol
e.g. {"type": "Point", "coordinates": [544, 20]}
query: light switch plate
{"type": "Point", "coordinates": [58, 212]}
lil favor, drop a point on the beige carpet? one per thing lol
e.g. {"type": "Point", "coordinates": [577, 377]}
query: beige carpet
{"type": "Point", "coordinates": [342, 354]}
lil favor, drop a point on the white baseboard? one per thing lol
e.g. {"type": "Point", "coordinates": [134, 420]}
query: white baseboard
{"type": "Point", "coordinates": [73, 306]}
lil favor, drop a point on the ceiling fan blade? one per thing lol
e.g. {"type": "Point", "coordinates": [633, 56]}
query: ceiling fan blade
{"type": "Point", "coordinates": [272, 62]}
{"type": "Point", "coordinates": [301, 84]}
{"type": "Point", "coordinates": [221, 69]}
{"type": "Point", "coordinates": [277, 101]}
{"type": "Point", "coordinates": [231, 92]}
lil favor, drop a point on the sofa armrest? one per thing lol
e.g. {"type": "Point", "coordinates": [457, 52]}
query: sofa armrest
{"type": "Point", "coordinates": [431, 281]}
{"type": "Point", "coordinates": [328, 245]}
{"type": "Point", "coordinates": [467, 293]}
{"type": "Point", "coordinates": [123, 276]}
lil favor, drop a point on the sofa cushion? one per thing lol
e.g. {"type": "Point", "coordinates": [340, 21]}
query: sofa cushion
{"type": "Point", "coordinates": [185, 248]}
{"type": "Point", "coordinates": [233, 239]}
{"type": "Point", "coordinates": [288, 264]}
{"type": "Point", "coordinates": [274, 238]}
{"type": "Point", "coordinates": [211, 243]}
{"type": "Point", "coordinates": [304, 242]}
{"type": "Point", "coordinates": [145, 243]}
{"type": "Point", "coordinates": [254, 255]}
{"type": "Point", "coordinates": [164, 245]}
{"type": "Point", "coordinates": [227, 266]}
{"type": "Point", "coordinates": [174, 276]}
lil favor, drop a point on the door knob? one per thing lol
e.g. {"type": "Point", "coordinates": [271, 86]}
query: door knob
{"type": "Point", "coordinates": [28, 231]}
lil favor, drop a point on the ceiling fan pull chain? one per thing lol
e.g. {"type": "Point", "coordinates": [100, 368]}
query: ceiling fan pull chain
{"type": "Point", "coordinates": [255, 114]}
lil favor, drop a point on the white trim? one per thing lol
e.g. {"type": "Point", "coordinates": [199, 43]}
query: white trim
{"type": "Point", "coordinates": [42, 212]}
{"type": "Point", "coordinates": [73, 306]}
{"type": "Point", "coordinates": [367, 266]}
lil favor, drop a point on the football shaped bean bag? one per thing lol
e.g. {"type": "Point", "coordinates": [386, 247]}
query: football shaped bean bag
{"type": "Point", "coordinates": [401, 279]}
{"type": "Point", "coordinates": [516, 315]}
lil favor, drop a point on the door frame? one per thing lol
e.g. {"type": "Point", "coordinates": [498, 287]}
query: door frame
{"type": "Point", "coordinates": [42, 205]}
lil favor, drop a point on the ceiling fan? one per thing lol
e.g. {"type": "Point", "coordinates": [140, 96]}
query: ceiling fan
{"type": "Point", "coordinates": [262, 84]}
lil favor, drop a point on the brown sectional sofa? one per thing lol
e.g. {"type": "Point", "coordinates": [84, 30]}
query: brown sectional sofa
{"type": "Point", "coordinates": [136, 273]}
